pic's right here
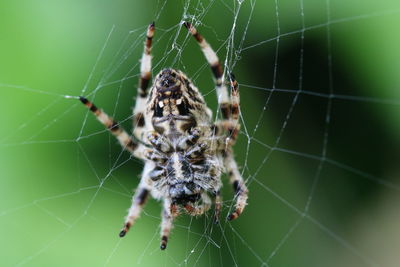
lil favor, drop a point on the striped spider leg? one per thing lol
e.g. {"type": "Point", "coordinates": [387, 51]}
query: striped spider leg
{"type": "Point", "coordinates": [229, 126]}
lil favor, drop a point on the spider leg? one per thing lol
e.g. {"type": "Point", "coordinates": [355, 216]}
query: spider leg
{"type": "Point", "coordinates": [188, 141]}
{"type": "Point", "coordinates": [233, 126]}
{"type": "Point", "coordinates": [216, 68]}
{"type": "Point", "coordinates": [200, 209]}
{"type": "Point", "coordinates": [138, 199]}
{"type": "Point", "coordinates": [124, 139]}
{"type": "Point", "coordinates": [239, 186]}
{"type": "Point", "coordinates": [145, 76]}
{"type": "Point", "coordinates": [218, 206]}
{"type": "Point", "coordinates": [235, 99]}
{"type": "Point", "coordinates": [169, 212]}
{"type": "Point", "coordinates": [159, 142]}
{"type": "Point", "coordinates": [155, 156]}
{"type": "Point", "coordinates": [196, 152]}
{"type": "Point", "coordinates": [229, 129]}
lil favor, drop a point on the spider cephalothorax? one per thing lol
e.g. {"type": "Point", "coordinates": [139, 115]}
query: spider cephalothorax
{"type": "Point", "coordinates": [184, 151]}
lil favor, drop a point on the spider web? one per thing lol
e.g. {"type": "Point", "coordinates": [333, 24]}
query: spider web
{"type": "Point", "coordinates": [318, 148]}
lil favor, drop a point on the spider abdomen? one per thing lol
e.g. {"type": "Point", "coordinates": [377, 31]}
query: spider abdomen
{"type": "Point", "coordinates": [175, 105]}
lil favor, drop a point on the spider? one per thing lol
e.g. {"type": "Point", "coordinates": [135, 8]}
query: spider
{"type": "Point", "coordinates": [184, 151]}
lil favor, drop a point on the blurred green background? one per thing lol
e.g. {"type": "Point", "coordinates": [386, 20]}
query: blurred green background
{"type": "Point", "coordinates": [319, 146]}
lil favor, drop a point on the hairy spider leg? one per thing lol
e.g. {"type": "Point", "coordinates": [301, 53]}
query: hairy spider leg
{"type": "Point", "coordinates": [229, 107]}
{"type": "Point", "coordinates": [233, 126]}
{"type": "Point", "coordinates": [216, 68]}
{"type": "Point", "coordinates": [159, 142]}
{"type": "Point", "coordinates": [188, 141]}
{"type": "Point", "coordinates": [218, 206]}
{"type": "Point", "coordinates": [139, 198]}
{"type": "Point", "coordinates": [170, 211]}
{"type": "Point", "coordinates": [145, 76]}
{"type": "Point", "coordinates": [239, 186]}
{"type": "Point", "coordinates": [230, 127]}
{"type": "Point", "coordinates": [124, 139]}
